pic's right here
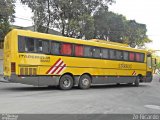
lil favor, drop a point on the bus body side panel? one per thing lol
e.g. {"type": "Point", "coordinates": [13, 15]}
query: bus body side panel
{"type": "Point", "coordinates": [104, 71]}
{"type": "Point", "coordinates": [44, 70]}
{"type": "Point", "coordinates": [7, 55]}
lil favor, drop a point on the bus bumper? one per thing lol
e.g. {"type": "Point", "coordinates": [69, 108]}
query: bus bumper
{"type": "Point", "coordinates": [34, 80]}
{"type": "Point", "coordinates": [149, 77]}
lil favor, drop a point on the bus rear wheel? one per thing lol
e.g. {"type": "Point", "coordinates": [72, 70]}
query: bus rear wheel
{"type": "Point", "coordinates": [136, 82]}
{"type": "Point", "coordinates": [66, 82]}
{"type": "Point", "coordinates": [84, 82]}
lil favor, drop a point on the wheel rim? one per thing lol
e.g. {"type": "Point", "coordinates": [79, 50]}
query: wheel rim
{"type": "Point", "coordinates": [85, 82]}
{"type": "Point", "coordinates": [66, 82]}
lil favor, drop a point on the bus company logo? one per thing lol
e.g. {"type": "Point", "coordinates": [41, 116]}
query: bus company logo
{"type": "Point", "coordinates": [134, 73]}
{"type": "Point", "coordinates": [58, 67]}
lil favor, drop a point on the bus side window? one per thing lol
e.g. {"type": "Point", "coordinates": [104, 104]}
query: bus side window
{"type": "Point", "coordinates": [66, 49]}
{"type": "Point", "coordinates": [39, 46]}
{"type": "Point", "coordinates": [79, 50]}
{"type": "Point", "coordinates": [87, 51]}
{"type": "Point", "coordinates": [131, 56]}
{"type": "Point", "coordinates": [112, 54]}
{"type": "Point", "coordinates": [55, 48]}
{"type": "Point", "coordinates": [45, 46]}
{"type": "Point", "coordinates": [30, 45]}
{"type": "Point", "coordinates": [125, 55]}
{"type": "Point", "coordinates": [21, 44]}
{"type": "Point", "coordinates": [96, 52]}
{"type": "Point", "coordinates": [141, 57]}
{"type": "Point", "coordinates": [105, 53]}
{"type": "Point", "coordinates": [119, 55]}
{"type": "Point", "coordinates": [138, 58]}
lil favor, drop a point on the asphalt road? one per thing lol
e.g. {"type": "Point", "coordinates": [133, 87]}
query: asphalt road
{"type": "Point", "coordinates": [17, 98]}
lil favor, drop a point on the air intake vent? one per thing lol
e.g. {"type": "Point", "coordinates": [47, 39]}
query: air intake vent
{"type": "Point", "coordinates": [28, 71]}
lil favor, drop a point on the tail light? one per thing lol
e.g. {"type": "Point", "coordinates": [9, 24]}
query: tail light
{"type": "Point", "coordinates": [13, 67]}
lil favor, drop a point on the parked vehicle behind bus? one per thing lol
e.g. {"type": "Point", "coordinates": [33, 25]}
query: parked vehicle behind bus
{"type": "Point", "coordinates": [45, 60]}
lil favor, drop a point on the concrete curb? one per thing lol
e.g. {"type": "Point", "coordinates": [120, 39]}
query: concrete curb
{"type": "Point", "coordinates": [2, 79]}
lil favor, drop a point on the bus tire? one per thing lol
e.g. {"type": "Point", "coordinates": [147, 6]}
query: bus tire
{"type": "Point", "coordinates": [66, 82]}
{"type": "Point", "coordinates": [84, 82]}
{"type": "Point", "coordinates": [136, 82]}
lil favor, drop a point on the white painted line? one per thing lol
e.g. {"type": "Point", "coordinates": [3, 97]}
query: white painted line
{"type": "Point", "coordinates": [153, 107]}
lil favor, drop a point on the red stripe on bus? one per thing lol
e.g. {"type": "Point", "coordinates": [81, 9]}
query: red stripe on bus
{"type": "Point", "coordinates": [57, 67]}
{"type": "Point", "coordinates": [134, 73]}
{"type": "Point", "coordinates": [61, 68]}
{"type": "Point", "coordinates": [53, 65]}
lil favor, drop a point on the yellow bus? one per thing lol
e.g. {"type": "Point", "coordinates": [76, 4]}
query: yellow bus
{"type": "Point", "coordinates": [48, 60]}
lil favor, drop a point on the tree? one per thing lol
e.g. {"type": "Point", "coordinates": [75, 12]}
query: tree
{"type": "Point", "coordinates": [116, 28]}
{"type": "Point", "coordinates": [109, 26]}
{"type": "Point", "coordinates": [72, 17]}
{"type": "Point", "coordinates": [135, 34]}
{"type": "Point", "coordinates": [6, 16]}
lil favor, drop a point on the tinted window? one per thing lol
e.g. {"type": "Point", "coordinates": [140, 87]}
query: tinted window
{"type": "Point", "coordinates": [66, 49]}
{"type": "Point", "coordinates": [141, 57]}
{"type": "Point", "coordinates": [39, 45]}
{"type": "Point", "coordinates": [105, 53]}
{"type": "Point", "coordinates": [55, 48]}
{"type": "Point", "coordinates": [87, 51]}
{"type": "Point", "coordinates": [138, 58]}
{"type": "Point", "coordinates": [96, 52]}
{"type": "Point", "coordinates": [79, 50]}
{"type": "Point", "coordinates": [30, 45]}
{"type": "Point", "coordinates": [45, 46]}
{"type": "Point", "coordinates": [119, 55]}
{"type": "Point", "coordinates": [125, 55]}
{"type": "Point", "coordinates": [112, 54]}
{"type": "Point", "coordinates": [131, 56]}
{"type": "Point", "coordinates": [21, 44]}
{"type": "Point", "coordinates": [42, 46]}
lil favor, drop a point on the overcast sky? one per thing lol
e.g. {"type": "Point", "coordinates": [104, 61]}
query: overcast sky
{"type": "Point", "coordinates": [143, 11]}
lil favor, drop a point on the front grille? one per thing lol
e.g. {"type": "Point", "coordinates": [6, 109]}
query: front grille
{"type": "Point", "coordinates": [28, 71]}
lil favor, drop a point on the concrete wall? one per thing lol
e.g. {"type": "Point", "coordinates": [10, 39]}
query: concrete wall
{"type": "Point", "coordinates": [1, 61]}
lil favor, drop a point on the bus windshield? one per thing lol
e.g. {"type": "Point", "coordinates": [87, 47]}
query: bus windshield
{"type": "Point", "coordinates": [149, 61]}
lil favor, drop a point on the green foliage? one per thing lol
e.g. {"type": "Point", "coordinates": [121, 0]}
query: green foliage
{"type": "Point", "coordinates": [109, 26]}
{"type": "Point", "coordinates": [135, 34]}
{"type": "Point", "coordinates": [6, 16]}
{"type": "Point", "coordinates": [72, 17]}
{"type": "Point", "coordinates": [87, 19]}
{"type": "Point", "coordinates": [157, 60]}
{"type": "Point", "coordinates": [114, 27]}
{"type": "Point", "coordinates": [158, 65]}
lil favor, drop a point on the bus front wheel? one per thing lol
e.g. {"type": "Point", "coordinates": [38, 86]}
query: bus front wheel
{"type": "Point", "coordinates": [84, 82]}
{"type": "Point", "coordinates": [136, 82]}
{"type": "Point", "coordinates": [66, 82]}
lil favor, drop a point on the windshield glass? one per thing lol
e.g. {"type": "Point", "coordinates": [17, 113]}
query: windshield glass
{"type": "Point", "coordinates": [149, 61]}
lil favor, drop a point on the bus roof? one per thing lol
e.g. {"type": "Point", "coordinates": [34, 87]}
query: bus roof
{"type": "Point", "coordinates": [93, 42]}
